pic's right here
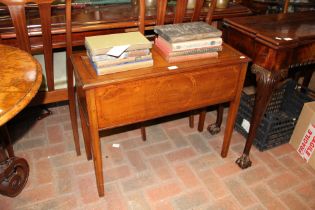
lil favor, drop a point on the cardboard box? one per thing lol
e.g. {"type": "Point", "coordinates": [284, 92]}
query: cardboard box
{"type": "Point", "coordinates": [303, 137]}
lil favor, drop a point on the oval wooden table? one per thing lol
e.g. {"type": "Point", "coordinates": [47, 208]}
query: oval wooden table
{"type": "Point", "coordinates": [20, 78]}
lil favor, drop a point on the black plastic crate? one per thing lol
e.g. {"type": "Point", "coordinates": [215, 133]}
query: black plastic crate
{"type": "Point", "coordinates": [279, 119]}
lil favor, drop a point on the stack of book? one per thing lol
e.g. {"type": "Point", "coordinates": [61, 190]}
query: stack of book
{"type": "Point", "coordinates": [187, 41]}
{"type": "Point", "coordinates": [118, 52]}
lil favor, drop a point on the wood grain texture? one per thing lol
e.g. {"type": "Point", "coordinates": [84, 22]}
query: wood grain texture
{"type": "Point", "coordinates": [111, 100]}
{"type": "Point", "coordinates": [156, 91]}
{"type": "Point", "coordinates": [104, 19]}
{"type": "Point", "coordinates": [17, 10]}
{"type": "Point", "coordinates": [276, 43]}
{"type": "Point", "coordinates": [21, 77]}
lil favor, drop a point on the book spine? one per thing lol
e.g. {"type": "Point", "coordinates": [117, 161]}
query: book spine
{"type": "Point", "coordinates": [163, 45]}
{"type": "Point", "coordinates": [124, 67]}
{"type": "Point", "coordinates": [172, 59]}
{"type": "Point", "coordinates": [192, 57]}
{"type": "Point", "coordinates": [122, 61]}
{"type": "Point", "coordinates": [126, 54]}
{"type": "Point", "coordinates": [196, 51]}
{"type": "Point", "coordinates": [178, 46]}
{"type": "Point", "coordinates": [194, 37]}
{"type": "Point", "coordinates": [134, 47]}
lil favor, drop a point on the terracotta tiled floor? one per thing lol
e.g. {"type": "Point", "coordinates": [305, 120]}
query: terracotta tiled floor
{"type": "Point", "coordinates": [176, 168]}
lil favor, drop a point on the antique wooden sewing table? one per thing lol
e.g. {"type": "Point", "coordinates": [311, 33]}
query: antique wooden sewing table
{"type": "Point", "coordinates": [275, 43]}
{"type": "Point", "coordinates": [21, 76]}
{"type": "Point", "coordinates": [118, 99]}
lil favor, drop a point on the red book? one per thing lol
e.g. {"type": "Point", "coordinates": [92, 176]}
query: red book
{"type": "Point", "coordinates": [166, 50]}
{"type": "Point", "coordinates": [181, 58]}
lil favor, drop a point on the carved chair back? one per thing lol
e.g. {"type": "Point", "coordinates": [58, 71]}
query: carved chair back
{"type": "Point", "coordinates": [180, 11]}
{"type": "Point", "coordinates": [17, 9]}
{"type": "Point", "coordinates": [286, 6]}
{"type": "Point", "coordinates": [18, 13]}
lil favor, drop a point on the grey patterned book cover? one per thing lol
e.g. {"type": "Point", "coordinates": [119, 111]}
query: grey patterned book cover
{"type": "Point", "coordinates": [187, 31]}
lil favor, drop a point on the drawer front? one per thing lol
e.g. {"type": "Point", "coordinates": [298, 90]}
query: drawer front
{"type": "Point", "coordinates": [136, 101]}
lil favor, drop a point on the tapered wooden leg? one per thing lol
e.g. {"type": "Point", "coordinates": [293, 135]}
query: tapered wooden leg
{"type": "Point", "coordinates": [215, 128]}
{"type": "Point", "coordinates": [266, 82]}
{"type": "Point", "coordinates": [86, 134]}
{"type": "Point", "coordinates": [95, 142]}
{"type": "Point", "coordinates": [97, 159]}
{"type": "Point", "coordinates": [232, 114]}
{"type": "Point", "coordinates": [191, 121]}
{"type": "Point", "coordinates": [202, 117]}
{"type": "Point", "coordinates": [6, 140]}
{"type": "Point", "coordinates": [143, 133]}
{"type": "Point", "coordinates": [74, 122]}
{"type": "Point", "coordinates": [72, 105]}
{"type": "Point", "coordinates": [229, 126]}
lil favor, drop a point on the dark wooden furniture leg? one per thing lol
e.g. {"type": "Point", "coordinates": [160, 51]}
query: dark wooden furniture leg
{"type": "Point", "coordinates": [14, 171]}
{"type": "Point", "coordinates": [4, 133]}
{"type": "Point", "coordinates": [191, 121]}
{"type": "Point", "coordinates": [266, 82]}
{"type": "Point", "coordinates": [143, 133]}
{"type": "Point", "coordinates": [216, 127]}
{"type": "Point", "coordinates": [202, 117]}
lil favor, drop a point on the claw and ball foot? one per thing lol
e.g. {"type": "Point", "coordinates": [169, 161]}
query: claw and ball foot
{"type": "Point", "coordinates": [213, 129]}
{"type": "Point", "coordinates": [244, 161]}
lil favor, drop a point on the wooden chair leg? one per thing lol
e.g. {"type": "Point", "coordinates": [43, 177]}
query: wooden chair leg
{"type": "Point", "coordinates": [191, 121]}
{"type": "Point", "coordinates": [73, 116]}
{"type": "Point", "coordinates": [6, 140]}
{"type": "Point", "coordinates": [86, 134]}
{"type": "Point", "coordinates": [216, 127]}
{"type": "Point", "coordinates": [202, 117]}
{"type": "Point", "coordinates": [143, 133]}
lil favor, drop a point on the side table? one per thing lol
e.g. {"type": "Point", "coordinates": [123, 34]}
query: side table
{"type": "Point", "coordinates": [21, 76]}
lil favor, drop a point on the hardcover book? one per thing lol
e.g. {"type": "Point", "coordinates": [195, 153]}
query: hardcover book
{"type": "Point", "coordinates": [188, 57]}
{"type": "Point", "coordinates": [132, 53]}
{"type": "Point", "coordinates": [186, 45]}
{"type": "Point", "coordinates": [105, 63]}
{"type": "Point", "coordinates": [168, 52]}
{"type": "Point", "coordinates": [122, 67]}
{"type": "Point", "coordinates": [97, 45]}
{"type": "Point", "coordinates": [187, 31]}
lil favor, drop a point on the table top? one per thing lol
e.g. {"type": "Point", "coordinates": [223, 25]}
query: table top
{"type": "Point", "coordinates": [21, 76]}
{"type": "Point", "coordinates": [89, 79]}
{"type": "Point", "coordinates": [279, 30]}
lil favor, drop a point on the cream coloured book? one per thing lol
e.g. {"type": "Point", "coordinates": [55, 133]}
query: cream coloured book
{"type": "Point", "coordinates": [98, 45]}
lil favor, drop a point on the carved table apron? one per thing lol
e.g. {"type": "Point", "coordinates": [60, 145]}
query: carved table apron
{"type": "Point", "coordinates": [275, 43]}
